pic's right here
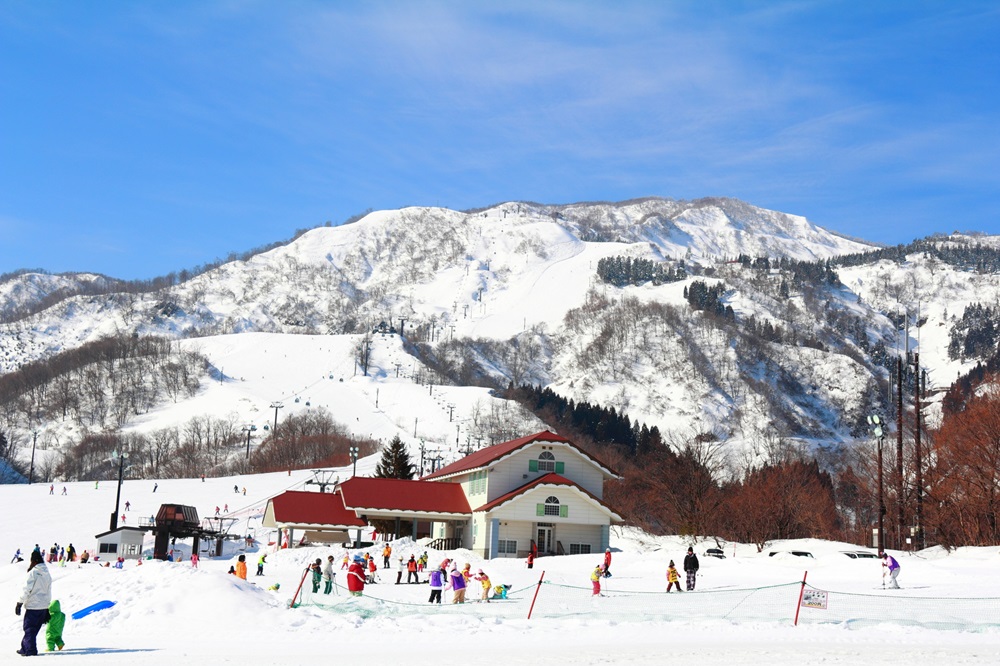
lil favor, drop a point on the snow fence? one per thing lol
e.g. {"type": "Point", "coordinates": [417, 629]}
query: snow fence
{"type": "Point", "coordinates": [775, 604]}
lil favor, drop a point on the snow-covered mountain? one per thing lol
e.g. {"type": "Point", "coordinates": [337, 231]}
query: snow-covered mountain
{"type": "Point", "coordinates": [511, 294]}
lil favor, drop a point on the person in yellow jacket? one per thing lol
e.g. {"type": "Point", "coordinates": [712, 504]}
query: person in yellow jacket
{"type": "Point", "coordinates": [484, 580]}
{"type": "Point", "coordinates": [595, 579]}
{"type": "Point", "coordinates": [673, 578]}
{"type": "Point", "coordinates": [386, 552]}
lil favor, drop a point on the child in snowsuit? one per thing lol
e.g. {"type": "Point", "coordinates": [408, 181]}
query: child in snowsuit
{"type": "Point", "coordinates": [53, 633]}
{"type": "Point", "coordinates": [317, 574]}
{"type": "Point", "coordinates": [673, 578]}
{"type": "Point", "coordinates": [595, 579]}
{"type": "Point", "coordinates": [484, 580]}
{"type": "Point", "coordinates": [456, 581]}
{"type": "Point", "coordinates": [436, 580]}
{"type": "Point", "coordinates": [328, 575]}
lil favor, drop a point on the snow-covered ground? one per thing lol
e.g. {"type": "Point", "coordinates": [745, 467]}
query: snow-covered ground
{"type": "Point", "coordinates": [741, 612]}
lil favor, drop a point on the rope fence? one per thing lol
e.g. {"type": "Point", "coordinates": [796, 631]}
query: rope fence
{"type": "Point", "coordinates": [787, 603]}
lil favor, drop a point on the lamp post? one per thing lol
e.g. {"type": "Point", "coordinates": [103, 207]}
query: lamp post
{"type": "Point", "coordinates": [31, 470]}
{"type": "Point", "coordinates": [876, 424]}
{"type": "Point", "coordinates": [354, 460]}
{"type": "Point", "coordinates": [120, 457]}
{"type": "Point", "coordinates": [249, 429]}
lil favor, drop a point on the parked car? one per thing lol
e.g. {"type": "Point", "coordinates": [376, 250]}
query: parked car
{"type": "Point", "coordinates": [860, 554]}
{"type": "Point", "coordinates": [715, 552]}
{"type": "Point", "coordinates": [797, 553]}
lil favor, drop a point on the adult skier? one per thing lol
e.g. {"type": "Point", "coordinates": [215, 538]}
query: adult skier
{"type": "Point", "coordinates": [691, 568]}
{"type": "Point", "coordinates": [35, 600]}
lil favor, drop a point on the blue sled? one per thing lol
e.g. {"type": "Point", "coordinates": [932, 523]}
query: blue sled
{"type": "Point", "coordinates": [93, 608]}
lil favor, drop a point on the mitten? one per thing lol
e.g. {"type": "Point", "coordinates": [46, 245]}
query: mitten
{"type": "Point", "coordinates": [17, 608]}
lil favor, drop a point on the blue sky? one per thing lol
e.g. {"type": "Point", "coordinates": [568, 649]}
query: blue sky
{"type": "Point", "coordinates": [142, 138]}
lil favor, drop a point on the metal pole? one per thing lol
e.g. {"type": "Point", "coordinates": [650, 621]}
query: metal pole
{"type": "Point", "coordinates": [919, 536]}
{"type": "Point", "coordinates": [118, 495]}
{"type": "Point", "coordinates": [31, 471]}
{"type": "Point", "coordinates": [881, 501]}
{"type": "Point", "coordinates": [901, 523]}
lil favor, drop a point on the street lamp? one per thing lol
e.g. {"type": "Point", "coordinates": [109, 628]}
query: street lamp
{"type": "Point", "coordinates": [31, 471]}
{"type": "Point", "coordinates": [120, 457]}
{"type": "Point", "coordinates": [354, 459]}
{"type": "Point", "coordinates": [876, 423]}
{"type": "Point", "coordinates": [249, 429]}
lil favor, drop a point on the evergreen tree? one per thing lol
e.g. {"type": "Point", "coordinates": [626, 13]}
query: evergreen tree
{"type": "Point", "coordinates": [395, 462]}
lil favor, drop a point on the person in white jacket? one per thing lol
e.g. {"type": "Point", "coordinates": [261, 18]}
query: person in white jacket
{"type": "Point", "coordinates": [35, 600]}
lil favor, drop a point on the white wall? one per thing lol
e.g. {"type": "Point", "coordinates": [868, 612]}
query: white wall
{"type": "Point", "coordinates": [513, 472]}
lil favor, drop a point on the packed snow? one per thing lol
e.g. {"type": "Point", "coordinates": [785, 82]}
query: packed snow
{"type": "Point", "coordinates": [166, 612]}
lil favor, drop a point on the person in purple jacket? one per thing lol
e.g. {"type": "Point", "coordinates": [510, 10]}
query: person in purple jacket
{"type": "Point", "coordinates": [890, 563]}
{"type": "Point", "coordinates": [456, 581]}
{"type": "Point", "coordinates": [436, 580]}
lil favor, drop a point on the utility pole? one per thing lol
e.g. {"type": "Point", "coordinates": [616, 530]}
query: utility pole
{"type": "Point", "coordinates": [901, 523]}
{"type": "Point", "coordinates": [354, 459]}
{"type": "Point", "coordinates": [31, 470]}
{"type": "Point", "coordinates": [918, 542]}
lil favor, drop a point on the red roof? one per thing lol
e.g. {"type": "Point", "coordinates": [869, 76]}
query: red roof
{"type": "Point", "coordinates": [402, 495]}
{"type": "Point", "coordinates": [484, 457]}
{"type": "Point", "coordinates": [550, 479]}
{"type": "Point", "coordinates": [491, 454]}
{"type": "Point", "coordinates": [304, 508]}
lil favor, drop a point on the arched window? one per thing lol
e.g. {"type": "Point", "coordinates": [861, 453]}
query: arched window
{"type": "Point", "coordinates": [546, 462]}
{"type": "Point", "coordinates": [551, 506]}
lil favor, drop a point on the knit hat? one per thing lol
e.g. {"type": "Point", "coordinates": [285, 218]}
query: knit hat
{"type": "Point", "coordinates": [671, 563]}
{"type": "Point", "coordinates": [690, 549]}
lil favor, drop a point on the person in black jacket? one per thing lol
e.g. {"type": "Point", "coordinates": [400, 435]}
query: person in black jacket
{"type": "Point", "coordinates": [691, 568]}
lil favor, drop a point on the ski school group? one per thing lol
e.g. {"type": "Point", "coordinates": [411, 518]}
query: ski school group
{"type": "Point", "coordinates": [362, 570]}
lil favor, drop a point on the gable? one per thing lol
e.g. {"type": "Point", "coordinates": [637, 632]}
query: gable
{"type": "Point", "coordinates": [542, 486]}
{"type": "Point", "coordinates": [500, 452]}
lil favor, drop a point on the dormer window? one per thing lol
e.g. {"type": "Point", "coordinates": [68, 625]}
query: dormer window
{"type": "Point", "coordinates": [546, 463]}
{"type": "Point", "coordinates": [552, 507]}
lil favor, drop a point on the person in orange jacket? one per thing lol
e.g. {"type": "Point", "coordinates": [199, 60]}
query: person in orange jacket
{"type": "Point", "coordinates": [241, 567]}
{"type": "Point", "coordinates": [411, 571]}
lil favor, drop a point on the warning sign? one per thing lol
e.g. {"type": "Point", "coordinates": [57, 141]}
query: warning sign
{"type": "Point", "coordinates": [814, 599]}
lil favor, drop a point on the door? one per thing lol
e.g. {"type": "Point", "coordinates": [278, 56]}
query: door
{"type": "Point", "coordinates": [544, 539]}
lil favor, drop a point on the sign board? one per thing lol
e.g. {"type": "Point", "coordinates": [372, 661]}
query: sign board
{"type": "Point", "coordinates": [814, 599]}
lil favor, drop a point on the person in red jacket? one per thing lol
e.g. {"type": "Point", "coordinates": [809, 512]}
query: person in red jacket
{"type": "Point", "coordinates": [356, 577]}
{"type": "Point", "coordinates": [607, 563]}
{"type": "Point", "coordinates": [411, 571]}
